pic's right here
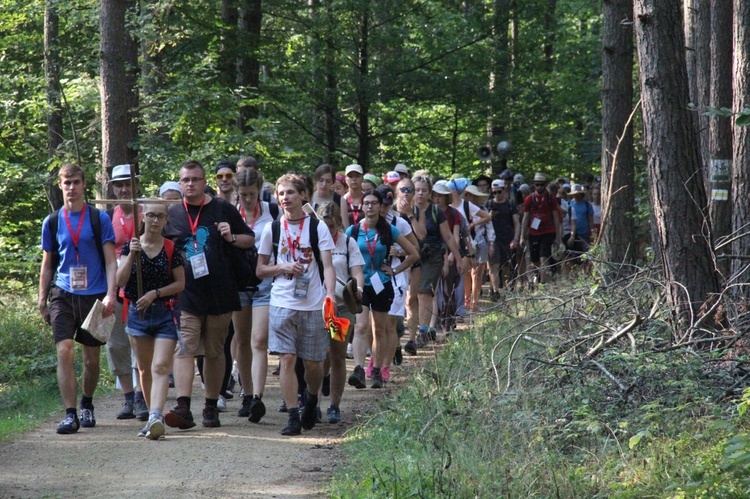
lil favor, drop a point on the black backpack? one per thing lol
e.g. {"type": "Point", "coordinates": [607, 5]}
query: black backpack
{"type": "Point", "coordinates": [96, 228]}
{"type": "Point", "coordinates": [276, 235]}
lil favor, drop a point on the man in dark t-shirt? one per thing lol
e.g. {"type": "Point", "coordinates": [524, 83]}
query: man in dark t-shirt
{"type": "Point", "coordinates": [203, 228]}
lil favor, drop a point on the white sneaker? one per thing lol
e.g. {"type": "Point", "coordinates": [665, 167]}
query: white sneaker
{"type": "Point", "coordinates": [155, 429]}
{"type": "Point", "coordinates": [349, 351]}
{"type": "Point", "coordinates": [221, 404]}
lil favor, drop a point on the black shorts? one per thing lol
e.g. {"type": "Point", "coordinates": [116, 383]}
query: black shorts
{"type": "Point", "coordinates": [541, 246]}
{"type": "Point", "coordinates": [67, 311]}
{"type": "Point", "coordinates": [502, 254]}
{"type": "Point", "coordinates": [380, 302]}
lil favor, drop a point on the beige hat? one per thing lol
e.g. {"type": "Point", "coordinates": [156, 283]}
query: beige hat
{"type": "Point", "coordinates": [539, 177]}
{"type": "Point", "coordinates": [441, 187]}
{"type": "Point", "coordinates": [473, 189]}
{"type": "Point", "coordinates": [354, 168]}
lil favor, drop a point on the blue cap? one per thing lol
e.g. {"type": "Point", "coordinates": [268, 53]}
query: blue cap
{"type": "Point", "coordinates": [458, 184]}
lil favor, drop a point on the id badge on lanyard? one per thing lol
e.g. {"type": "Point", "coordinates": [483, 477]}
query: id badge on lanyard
{"type": "Point", "coordinates": [199, 265]}
{"type": "Point", "coordinates": [301, 286]}
{"type": "Point", "coordinates": [79, 280]}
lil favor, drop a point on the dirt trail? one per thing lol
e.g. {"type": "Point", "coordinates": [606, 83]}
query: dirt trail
{"type": "Point", "coordinates": [240, 459]}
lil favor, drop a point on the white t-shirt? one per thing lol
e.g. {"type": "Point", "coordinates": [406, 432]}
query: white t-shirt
{"type": "Point", "coordinates": [338, 256]}
{"type": "Point", "coordinates": [402, 279]}
{"type": "Point", "coordinates": [485, 231]}
{"type": "Point", "coordinates": [286, 290]}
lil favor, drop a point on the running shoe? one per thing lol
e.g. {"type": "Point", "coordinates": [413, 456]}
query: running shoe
{"type": "Point", "coordinates": [180, 417]}
{"type": "Point", "coordinates": [69, 425]}
{"type": "Point", "coordinates": [154, 429]}
{"type": "Point", "coordinates": [211, 417]}
{"type": "Point", "coordinates": [257, 410]}
{"type": "Point", "coordinates": [334, 414]}
{"type": "Point", "coordinates": [357, 378]}
{"type": "Point", "coordinates": [87, 417]}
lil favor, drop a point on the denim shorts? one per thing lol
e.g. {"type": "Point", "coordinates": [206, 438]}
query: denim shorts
{"type": "Point", "coordinates": [262, 297]}
{"type": "Point", "coordinates": [158, 321]}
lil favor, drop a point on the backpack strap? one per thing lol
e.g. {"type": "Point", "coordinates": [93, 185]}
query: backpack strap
{"type": "Point", "coordinates": [273, 209]}
{"type": "Point", "coordinates": [276, 235]}
{"type": "Point", "coordinates": [467, 211]}
{"type": "Point", "coordinates": [96, 228]}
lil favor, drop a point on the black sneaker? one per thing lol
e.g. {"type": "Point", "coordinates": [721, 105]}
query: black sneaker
{"type": "Point", "coordinates": [87, 417]}
{"type": "Point", "coordinates": [377, 378]}
{"type": "Point", "coordinates": [127, 411]}
{"type": "Point", "coordinates": [257, 410]}
{"type": "Point", "coordinates": [334, 414]}
{"type": "Point", "coordinates": [180, 417]}
{"type": "Point", "coordinates": [141, 409]}
{"type": "Point", "coordinates": [398, 357]}
{"type": "Point", "coordinates": [245, 409]}
{"type": "Point", "coordinates": [357, 378]}
{"type": "Point", "coordinates": [326, 388]}
{"type": "Point", "coordinates": [310, 414]}
{"type": "Point", "coordinates": [293, 426]}
{"type": "Point", "coordinates": [69, 425]}
{"type": "Point", "coordinates": [410, 348]}
{"type": "Point", "coordinates": [211, 417]}
{"type": "Point", "coordinates": [282, 407]}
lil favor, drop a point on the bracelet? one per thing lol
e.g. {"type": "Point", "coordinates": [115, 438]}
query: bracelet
{"type": "Point", "coordinates": [158, 293]}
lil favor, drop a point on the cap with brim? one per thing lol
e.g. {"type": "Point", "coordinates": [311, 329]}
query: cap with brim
{"type": "Point", "coordinates": [371, 177]}
{"type": "Point", "coordinates": [473, 189]}
{"type": "Point", "coordinates": [387, 194]}
{"type": "Point", "coordinates": [350, 297]}
{"type": "Point", "coordinates": [354, 168]}
{"type": "Point", "coordinates": [441, 187]}
{"type": "Point", "coordinates": [121, 172]}
{"type": "Point", "coordinates": [401, 168]}
{"type": "Point", "coordinates": [498, 183]}
{"type": "Point", "coordinates": [169, 186]}
{"type": "Point", "coordinates": [392, 178]}
{"type": "Point", "coordinates": [576, 189]}
{"type": "Point", "coordinates": [518, 178]}
{"type": "Point", "coordinates": [539, 177]}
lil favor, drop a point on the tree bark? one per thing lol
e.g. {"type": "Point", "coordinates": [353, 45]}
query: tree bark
{"type": "Point", "coordinates": [363, 89]}
{"type": "Point", "coordinates": [720, 127]}
{"type": "Point", "coordinates": [248, 62]}
{"type": "Point", "coordinates": [741, 146]}
{"type": "Point", "coordinates": [499, 76]}
{"type": "Point", "coordinates": [119, 95]}
{"type": "Point", "coordinates": [54, 104]}
{"type": "Point", "coordinates": [227, 62]}
{"type": "Point", "coordinates": [618, 169]}
{"type": "Point", "coordinates": [678, 193]}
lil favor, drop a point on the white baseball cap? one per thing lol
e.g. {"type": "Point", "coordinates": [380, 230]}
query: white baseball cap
{"type": "Point", "coordinates": [354, 167]}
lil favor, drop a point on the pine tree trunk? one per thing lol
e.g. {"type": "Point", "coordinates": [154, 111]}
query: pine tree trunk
{"type": "Point", "coordinates": [54, 104]}
{"type": "Point", "coordinates": [741, 147]}
{"type": "Point", "coordinates": [248, 62]}
{"type": "Point", "coordinates": [618, 170]}
{"type": "Point", "coordinates": [678, 193]}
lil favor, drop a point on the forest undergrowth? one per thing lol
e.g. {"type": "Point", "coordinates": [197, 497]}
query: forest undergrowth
{"type": "Point", "coordinates": [574, 389]}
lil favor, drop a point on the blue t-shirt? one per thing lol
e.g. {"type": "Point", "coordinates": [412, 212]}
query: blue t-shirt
{"type": "Point", "coordinates": [581, 211]}
{"type": "Point", "coordinates": [374, 262]}
{"type": "Point", "coordinates": [87, 252]}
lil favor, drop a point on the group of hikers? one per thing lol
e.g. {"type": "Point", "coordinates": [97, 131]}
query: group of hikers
{"type": "Point", "coordinates": [400, 255]}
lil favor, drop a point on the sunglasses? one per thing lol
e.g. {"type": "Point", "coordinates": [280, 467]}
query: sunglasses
{"type": "Point", "coordinates": [540, 184]}
{"type": "Point", "coordinates": [406, 190]}
{"type": "Point", "coordinates": [224, 176]}
{"type": "Point", "coordinates": [497, 192]}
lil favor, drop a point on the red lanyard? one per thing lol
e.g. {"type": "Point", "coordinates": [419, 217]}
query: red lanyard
{"type": "Point", "coordinates": [289, 242]}
{"type": "Point", "coordinates": [370, 248]}
{"type": "Point", "coordinates": [75, 236]}
{"type": "Point", "coordinates": [194, 224]}
{"type": "Point", "coordinates": [356, 212]}
{"type": "Point", "coordinates": [255, 215]}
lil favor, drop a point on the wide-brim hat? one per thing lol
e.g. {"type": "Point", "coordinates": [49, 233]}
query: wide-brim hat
{"type": "Point", "coordinates": [473, 189]}
{"type": "Point", "coordinates": [121, 172]}
{"type": "Point", "coordinates": [577, 189]}
{"type": "Point", "coordinates": [350, 297]}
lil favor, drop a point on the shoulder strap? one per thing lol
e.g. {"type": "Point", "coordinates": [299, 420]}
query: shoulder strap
{"type": "Point", "coordinates": [96, 228]}
{"type": "Point", "coordinates": [275, 235]}
{"type": "Point", "coordinates": [348, 239]}
{"type": "Point", "coordinates": [355, 232]}
{"type": "Point", "coordinates": [169, 249]}
{"type": "Point", "coordinates": [468, 217]}
{"type": "Point", "coordinates": [273, 209]}
{"type": "Point", "coordinates": [316, 246]}
{"type": "Point", "coordinates": [53, 220]}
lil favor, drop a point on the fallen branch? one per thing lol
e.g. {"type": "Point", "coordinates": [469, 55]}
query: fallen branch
{"type": "Point", "coordinates": [623, 331]}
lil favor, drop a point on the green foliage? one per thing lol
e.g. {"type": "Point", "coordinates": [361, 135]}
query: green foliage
{"type": "Point", "coordinates": [26, 342]}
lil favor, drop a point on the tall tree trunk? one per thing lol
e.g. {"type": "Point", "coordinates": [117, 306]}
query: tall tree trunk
{"type": "Point", "coordinates": [618, 168]}
{"type": "Point", "coordinates": [331, 97]}
{"type": "Point", "coordinates": [227, 62]}
{"type": "Point", "coordinates": [499, 75]}
{"type": "Point", "coordinates": [248, 62]}
{"type": "Point", "coordinates": [741, 147]}
{"type": "Point", "coordinates": [364, 94]}
{"type": "Point", "coordinates": [697, 15]}
{"type": "Point", "coordinates": [119, 96]}
{"type": "Point", "coordinates": [677, 191]}
{"type": "Point", "coordinates": [720, 127]}
{"type": "Point", "coordinates": [550, 28]}
{"type": "Point", "coordinates": [54, 104]}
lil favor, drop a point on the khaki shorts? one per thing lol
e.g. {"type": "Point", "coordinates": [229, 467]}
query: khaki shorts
{"type": "Point", "coordinates": [202, 334]}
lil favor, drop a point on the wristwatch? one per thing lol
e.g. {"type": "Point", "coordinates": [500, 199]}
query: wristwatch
{"type": "Point", "coordinates": [158, 293]}
{"type": "Point", "coordinates": [234, 238]}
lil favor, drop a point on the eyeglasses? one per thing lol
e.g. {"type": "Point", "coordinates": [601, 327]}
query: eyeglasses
{"type": "Point", "coordinates": [153, 217]}
{"type": "Point", "coordinates": [406, 190]}
{"type": "Point", "coordinates": [188, 180]}
{"type": "Point", "coordinates": [371, 203]}
{"type": "Point", "coordinates": [224, 176]}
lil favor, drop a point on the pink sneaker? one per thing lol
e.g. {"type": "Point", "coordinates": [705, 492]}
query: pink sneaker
{"type": "Point", "coordinates": [385, 373]}
{"type": "Point", "coordinates": [368, 369]}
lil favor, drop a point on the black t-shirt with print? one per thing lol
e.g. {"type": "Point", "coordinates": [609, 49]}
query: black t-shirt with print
{"type": "Point", "coordinates": [502, 220]}
{"type": "Point", "coordinates": [215, 293]}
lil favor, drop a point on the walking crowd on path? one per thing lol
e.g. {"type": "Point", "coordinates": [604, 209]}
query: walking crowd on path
{"type": "Point", "coordinates": [312, 269]}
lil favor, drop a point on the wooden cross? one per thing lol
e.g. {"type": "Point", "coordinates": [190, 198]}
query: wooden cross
{"type": "Point", "coordinates": [134, 202]}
